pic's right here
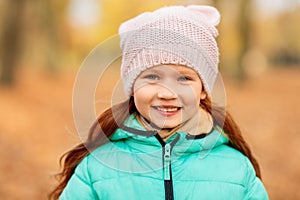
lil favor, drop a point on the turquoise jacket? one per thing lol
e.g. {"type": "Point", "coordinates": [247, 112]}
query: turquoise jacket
{"type": "Point", "coordinates": [138, 164]}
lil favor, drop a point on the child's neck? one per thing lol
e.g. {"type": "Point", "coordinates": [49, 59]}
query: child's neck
{"type": "Point", "coordinates": [164, 133]}
{"type": "Point", "coordinates": [199, 124]}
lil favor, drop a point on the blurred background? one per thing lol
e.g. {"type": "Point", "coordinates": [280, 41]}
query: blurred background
{"type": "Point", "coordinates": [43, 43]}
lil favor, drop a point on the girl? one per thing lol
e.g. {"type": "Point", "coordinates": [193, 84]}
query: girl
{"type": "Point", "coordinates": [167, 141]}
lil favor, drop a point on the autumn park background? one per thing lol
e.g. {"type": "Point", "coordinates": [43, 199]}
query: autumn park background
{"type": "Point", "coordinates": [43, 44]}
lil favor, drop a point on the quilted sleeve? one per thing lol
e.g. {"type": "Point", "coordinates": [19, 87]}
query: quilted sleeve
{"type": "Point", "coordinates": [255, 189]}
{"type": "Point", "coordinates": [79, 186]}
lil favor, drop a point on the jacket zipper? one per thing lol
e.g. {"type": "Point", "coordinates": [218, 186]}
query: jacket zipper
{"type": "Point", "coordinates": [169, 194]}
{"type": "Point", "coordinates": [167, 170]}
{"type": "Point", "coordinates": [167, 162]}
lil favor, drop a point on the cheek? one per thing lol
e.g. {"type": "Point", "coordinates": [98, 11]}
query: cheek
{"type": "Point", "coordinates": [140, 98]}
{"type": "Point", "coordinates": [144, 92]}
{"type": "Point", "coordinates": [143, 97]}
{"type": "Point", "coordinates": [191, 96]}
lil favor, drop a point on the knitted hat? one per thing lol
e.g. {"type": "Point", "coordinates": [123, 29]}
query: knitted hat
{"type": "Point", "coordinates": [171, 35]}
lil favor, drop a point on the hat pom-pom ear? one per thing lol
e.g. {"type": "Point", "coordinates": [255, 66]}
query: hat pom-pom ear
{"type": "Point", "coordinates": [211, 14]}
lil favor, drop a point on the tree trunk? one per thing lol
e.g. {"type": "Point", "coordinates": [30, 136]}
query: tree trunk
{"type": "Point", "coordinates": [10, 41]}
{"type": "Point", "coordinates": [244, 28]}
{"type": "Point", "coordinates": [243, 32]}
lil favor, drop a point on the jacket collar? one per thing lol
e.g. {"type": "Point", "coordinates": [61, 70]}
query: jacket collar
{"type": "Point", "coordinates": [183, 142]}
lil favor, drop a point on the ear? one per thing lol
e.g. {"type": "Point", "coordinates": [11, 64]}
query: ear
{"type": "Point", "coordinates": [203, 95]}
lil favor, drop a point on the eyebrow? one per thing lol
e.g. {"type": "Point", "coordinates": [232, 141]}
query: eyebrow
{"type": "Point", "coordinates": [180, 70]}
{"type": "Point", "coordinates": [187, 71]}
{"type": "Point", "coordinates": [151, 70]}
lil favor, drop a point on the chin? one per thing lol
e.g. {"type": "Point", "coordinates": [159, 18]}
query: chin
{"type": "Point", "coordinates": [167, 125]}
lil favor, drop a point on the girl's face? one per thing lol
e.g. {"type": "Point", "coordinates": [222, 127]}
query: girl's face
{"type": "Point", "coordinates": [168, 95]}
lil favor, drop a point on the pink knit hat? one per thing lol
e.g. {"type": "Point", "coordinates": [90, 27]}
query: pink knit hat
{"type": "Point", "coordinates": [171, 35]}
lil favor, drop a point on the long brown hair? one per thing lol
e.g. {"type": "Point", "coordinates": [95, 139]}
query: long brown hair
{"type": "Point", "coordinates": [113, 117]}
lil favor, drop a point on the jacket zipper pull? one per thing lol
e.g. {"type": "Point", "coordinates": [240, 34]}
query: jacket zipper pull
{"type": "Point", "coordinates": [167, 161]}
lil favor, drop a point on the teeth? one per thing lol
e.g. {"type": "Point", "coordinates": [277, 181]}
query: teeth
{"type": "Point", "coordinates": [167, 109]}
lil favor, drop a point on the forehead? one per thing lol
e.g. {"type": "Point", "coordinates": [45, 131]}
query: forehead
{"type": "Point", "coordinates": [175, 68]}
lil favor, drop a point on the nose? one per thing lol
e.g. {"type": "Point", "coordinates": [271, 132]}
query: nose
{"type": "Point", "coordinates": [166, 93]}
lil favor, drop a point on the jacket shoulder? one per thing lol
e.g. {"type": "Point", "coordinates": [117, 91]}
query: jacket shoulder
{"type": "Point", "coordinates": [242, 167]}
{"type": "Point", "coordinates": [223, 163]}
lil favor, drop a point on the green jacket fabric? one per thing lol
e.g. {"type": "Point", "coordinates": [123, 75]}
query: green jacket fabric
{"type": "Point", "coordinates": [138, 164]}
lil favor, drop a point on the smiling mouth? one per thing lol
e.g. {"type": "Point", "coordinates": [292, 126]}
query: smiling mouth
{"type": "Point", "coordinates": [167, 109]}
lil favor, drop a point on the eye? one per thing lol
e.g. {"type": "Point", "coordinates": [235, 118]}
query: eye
{"type": "Point", "coordinates": [152, 77]}
{"type": "Point", "coordinates": [184, 78]}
